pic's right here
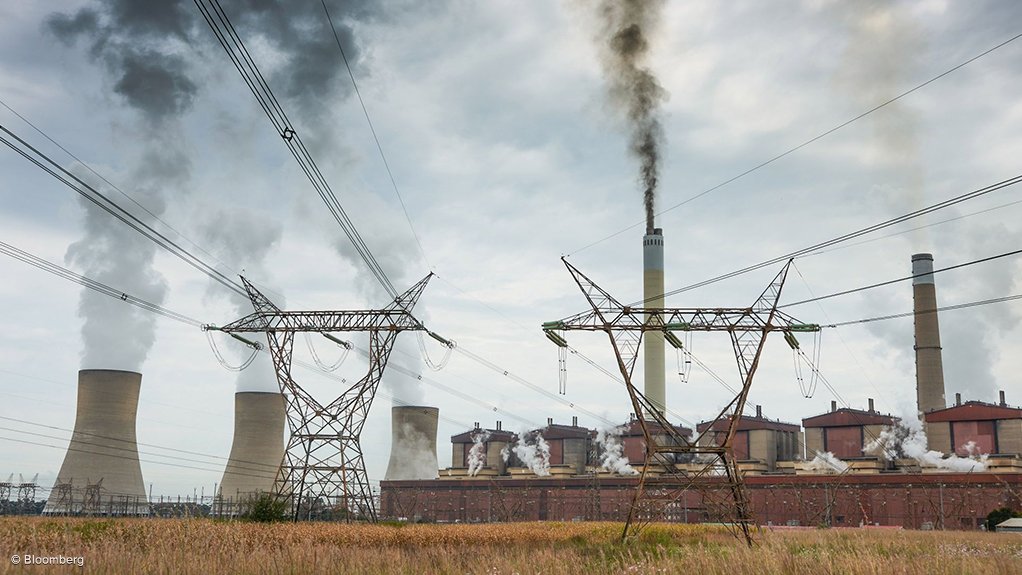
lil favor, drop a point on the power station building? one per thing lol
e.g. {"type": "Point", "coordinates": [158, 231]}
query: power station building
{"type": "Point", "coordinates": [975, 427]}
{"type": "Point", "coordinates": [844, 432]}
{"type": "Point", "coordinates": [786, 483]}
{"type": "Point", "coordinates": [759, 443]}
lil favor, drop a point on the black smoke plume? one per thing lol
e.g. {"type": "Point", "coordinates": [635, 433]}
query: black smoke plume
{"type": "Point", "coordinates": [632, 86]}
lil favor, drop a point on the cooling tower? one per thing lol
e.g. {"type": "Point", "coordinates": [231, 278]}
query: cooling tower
{"type": "Point", "coordinates": [258, 446]}
{"type": "Point", "coordinates": [653, 296]}
{"type": "Point", "coordinates": [413, 443]}
{"type": "Point", "coordinates": [101, 473]}
{"type": "Point", "coordinates": [929, 368]}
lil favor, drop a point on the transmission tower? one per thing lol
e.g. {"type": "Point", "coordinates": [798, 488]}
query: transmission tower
{"type": "Point", "coordinates": [323, 465]}
{"type": "Point", "coordinates": [625, 325]}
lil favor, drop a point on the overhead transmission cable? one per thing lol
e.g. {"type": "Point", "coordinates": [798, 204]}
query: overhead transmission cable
{"type": "Point", "coordinates": [376, 138]}
{"type": "Point", "coordinates": [901, 279]}
{"type": "Point", "coordinates": [239, 55]}
{"type": "Point", "coordinates": [92, 284]}
{"type": "Point", "coordinates": [89, 283]}
{"type": "Point", "coordinates": [934, 310]}
{"type": "Point", "coordinates": [137, 204]}
{"type": "Point", "coordinates": [812, 140]}
{"type": "Point", "coordinates": [845, 237]}
{"type": "Point", "coordinates": [103, 202]}
{"type": "Point", "coordinates": [218, 21]}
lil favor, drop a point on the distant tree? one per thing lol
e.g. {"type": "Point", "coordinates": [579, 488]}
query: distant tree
{"type": "Point", "coordinates": [999, 515]}
{"type": "Point", "coordinates": [267, 508]}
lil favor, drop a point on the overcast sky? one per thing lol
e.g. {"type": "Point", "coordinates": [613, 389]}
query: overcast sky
{"type": "Point", "coordinates": [495, 120]}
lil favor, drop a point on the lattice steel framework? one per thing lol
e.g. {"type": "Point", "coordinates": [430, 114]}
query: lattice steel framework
{"type": "Point", "coordinates": [747, 327]}
{"type": "Point", "coordinates": [323, 467]}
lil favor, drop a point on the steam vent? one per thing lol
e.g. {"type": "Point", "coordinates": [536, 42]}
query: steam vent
{"type": "Point", "coordinates": [413, 442]}
{"type": "Point", "coordinates": [101, 473]}
{"type": "Point", "coordinates": [653, 296]}
{"type": "Point", "coordinates": [258, 446]}
{"type": "Point", "coordinates": [929, 368]}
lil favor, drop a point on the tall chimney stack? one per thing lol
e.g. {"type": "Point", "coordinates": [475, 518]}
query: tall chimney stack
{"type": "Point", "coordinates": [653, 297]}
{"type": "Point", "coordinates": [929, 367]}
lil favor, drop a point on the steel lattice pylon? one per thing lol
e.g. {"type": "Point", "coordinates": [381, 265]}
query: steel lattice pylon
{"type": "Point", "coordinates": [323, 464]}
{"type": "Point", "coordinates": [724, 499]}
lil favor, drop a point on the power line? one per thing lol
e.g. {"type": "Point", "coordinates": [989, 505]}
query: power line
{"type": "Point", "coordinates": [92, 284]}
{"type": "Point", "coordinates": [100, 200]}
{"type": "Point", "coordinates": [376, 138]}
{"type": "Point", "coordinates": [807, 142]}
{"type": "Point", "coordinates": [239, 55]}
{"type": "Point", "coordinates": [906, 278]}
{"type": "Point", "coordinates": [938, 309]}
{"type": "Point", "coordinates": [149, 212]}
{"type": "Point", "coordinates": [917, 228]}
{"type": "Point", "coordinates": [848, 236]}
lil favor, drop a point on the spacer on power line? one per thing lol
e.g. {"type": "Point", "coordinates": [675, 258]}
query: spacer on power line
{"type": "Point", "coordinates": [288, 134]}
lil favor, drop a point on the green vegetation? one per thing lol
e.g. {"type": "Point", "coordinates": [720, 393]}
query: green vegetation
{"type": "Point", "coordinates": [267, 509]}
{"type": "Point", "coordinates": [998, 515]}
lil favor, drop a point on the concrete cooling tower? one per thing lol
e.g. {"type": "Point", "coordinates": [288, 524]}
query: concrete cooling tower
{"type": "Point", "coordinates": [655, 388]}
{"type": "Point", "coordinates": [101, 473]}
{"type": "Point", "coordinates": [929, 366]}
{"type": "Point", "coordinates": [258, 446]}
{"type": "Point", "coordinates": [413, 443]}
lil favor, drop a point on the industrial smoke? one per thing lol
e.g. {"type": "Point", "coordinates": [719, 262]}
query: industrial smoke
{"type": "Point", "coordinates": [477, 454]}
{"type": "Point", "coordinates": [908, 440]}
{"type": "Point", "coordinates": [612, 456]}
{"type": "Point", "coordinates": [624, 42]}
{"type": "Point", "coordinates": [532, 450]}
{"type": "Point", "coordinates": [827, 461]}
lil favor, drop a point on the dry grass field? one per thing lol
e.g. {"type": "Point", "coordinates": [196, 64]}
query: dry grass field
{"type": "Point", "coordinates": [207, 546]}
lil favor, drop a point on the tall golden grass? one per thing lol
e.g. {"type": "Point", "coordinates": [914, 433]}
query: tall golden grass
{"type": "Point", "coordinates": [207, 546]}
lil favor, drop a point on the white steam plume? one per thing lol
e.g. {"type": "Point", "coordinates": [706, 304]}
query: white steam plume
{"type": "Point", "coordinates": [533, 451]}
{"type": "Point", "coordinates": [612, 456]}
{"type": "Point", "coordinates": [908, 440]}
{"type": "Point", "coordinates": [116, 335]}
{"type": "Point", "coordinates": [244, 237]}
{"type": "Point", "coordinates": [828, 462]}
{"type": "Point", "coordinates": [477, 455]}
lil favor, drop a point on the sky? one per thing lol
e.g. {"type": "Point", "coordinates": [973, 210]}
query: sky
{"type": "Point", "coordinates": [508, 152]}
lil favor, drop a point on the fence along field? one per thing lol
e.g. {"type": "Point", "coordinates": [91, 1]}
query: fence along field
{"type": "Point", "coordinates": [208, 546]}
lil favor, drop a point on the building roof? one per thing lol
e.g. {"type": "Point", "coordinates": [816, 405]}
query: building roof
{"type": "Point", "coordinates": [495, 435]}
{"type": "Point", "coordinates": [846, 417]}
{"type": "Point", "coordinates": [1013, 523]}
{"type": "Point", "coordinates": [558, 431]}
{"type": "Point", "coordinates": [748, 423]}
{"type": "Point", "coordinates": [632, 428]}
{"type": "Point", "coordinates": [974, 411]}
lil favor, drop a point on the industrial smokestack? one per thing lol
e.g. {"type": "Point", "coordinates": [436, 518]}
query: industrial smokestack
{"type": "Point", "coordinates": [653, 297]}
{"type": "Point", "coordinates": [929, 367]}
{"type": "Point", "coordinates": [258, 447]}
{"type": "Point", "coordinates": [413, 442]}
{"type": "Point", "coordinates": [101, 473]}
